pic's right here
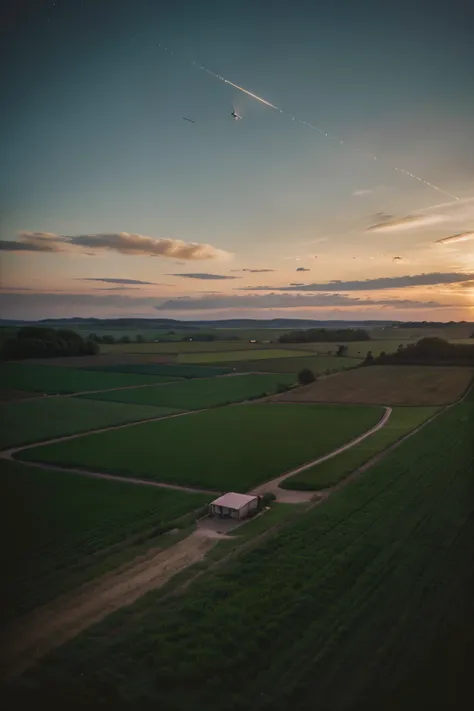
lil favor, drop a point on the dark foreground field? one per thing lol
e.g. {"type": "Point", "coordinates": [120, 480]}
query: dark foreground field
{"type": "Point", "coordinates": [362, 603]}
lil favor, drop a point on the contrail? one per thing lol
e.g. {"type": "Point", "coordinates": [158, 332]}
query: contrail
{"type": "Point", "coordinates": [317, 128]}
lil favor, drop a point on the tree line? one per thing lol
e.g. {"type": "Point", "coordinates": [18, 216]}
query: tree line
{"type": "Point", "coordinates": [325, 335]}
{"type": "Point", "coordinates": [42, 342]}
{"type": "Point", "coordinates": [428, 351]}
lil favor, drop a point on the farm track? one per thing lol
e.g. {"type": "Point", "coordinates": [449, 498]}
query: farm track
{"type": "Point", "coordinates": [293, 496]}
{"type": "Point", "coordinates": [54, 624]}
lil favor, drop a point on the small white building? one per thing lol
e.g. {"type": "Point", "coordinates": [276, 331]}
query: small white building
{"type": "Point", "coordinates": [234, 505]}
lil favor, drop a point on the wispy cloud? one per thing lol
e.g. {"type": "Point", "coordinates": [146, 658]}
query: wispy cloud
{"type": "Point", "coordinates": [204, 276]}
{"type": "Point", "coordinates": [397, 259]}
{"type": "Point", "coordinates": [462, 237]}
{"type": "Point", "coordinates": [121, 242]}
{"type": "Point", "coordinates": [398, 282]}
{"type": "Point", "coordinates": [109, 280]}
{"type": "Point", "coordinates": [258, 271]}
{"type": "Point", "coordinates": [303, 269]}
{"type": "Point", "coordinates": [410, 222]}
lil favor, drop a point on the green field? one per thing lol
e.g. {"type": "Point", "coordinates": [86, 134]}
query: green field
{"type": "Point", "coordinates": [51, 379]}
{"type": "Point", "coordinates": [362, 603]}
{"type": "Point", "coordinates": [402, 421]}
{"type": "Point", "coordinates": [171, 371]}
{"type": "Point", "coordinates": [59, 528]}
{"type": "Point", "coordinates": [45, 418]}
{"type": "Point", "coordinates": [189, 347]}
{"type": "Point", "coordinates": [232, 448]}
{"type": "Point", "coordinates": [246, 355]}
{"type": "Point", "coordinates": [196, 394]}
{"type": "Point", "coordinates": [319, 364]}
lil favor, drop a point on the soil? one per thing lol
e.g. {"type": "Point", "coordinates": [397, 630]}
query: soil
{"type": "Point", "coordinates": [386, 385]}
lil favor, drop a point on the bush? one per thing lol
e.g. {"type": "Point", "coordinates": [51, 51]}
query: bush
{"type": "Point", "coordinates": [306, 376]}
{"type": "Point", "coordinates": [267, 498]}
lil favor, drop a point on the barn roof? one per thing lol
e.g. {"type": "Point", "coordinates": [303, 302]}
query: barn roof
{"type": "Point", "coordinates": [233, 500]}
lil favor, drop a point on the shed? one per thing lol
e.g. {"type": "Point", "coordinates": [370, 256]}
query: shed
{"type": "Point", "coordinates": [234, 505]}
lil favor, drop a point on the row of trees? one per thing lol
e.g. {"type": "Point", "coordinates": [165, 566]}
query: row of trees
{"type": "Point", "coordinates": [40, 342]}
{"type": "Point", "coordinates": [325, 335]}
{"type": "Point", "coordinates": [428, 351]}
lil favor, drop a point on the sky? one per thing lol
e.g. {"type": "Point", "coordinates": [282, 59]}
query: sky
{"type": "Point", "coordinates": [112, 205]}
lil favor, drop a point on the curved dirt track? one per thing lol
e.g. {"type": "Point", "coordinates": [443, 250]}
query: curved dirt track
{"type": "Point", "coordinates": [294, 497]}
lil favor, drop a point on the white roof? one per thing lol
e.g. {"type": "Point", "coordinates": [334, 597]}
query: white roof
{"type": "Point", "coordinates": [233, 500]}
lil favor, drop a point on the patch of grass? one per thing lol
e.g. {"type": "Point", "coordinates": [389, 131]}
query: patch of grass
{"type": "Point", "coordinates": [348, 604]}
{"type": "Point", "coordinates": [56, 379]}
{"type": "Point", "coordinates": [45, 418]}
{"type": "Point", "coordinates": [197, 394]}
{"type": "Point", "coordinates": [58, 528]}
{"type": "Point", "coordinates": [417, 385]}
{"type": "Point", "coordinates": [240, 355]}
{"type": "Point", "coordinates": [402, 421]}
{"type": "Point", "coordinates": [233, 448]}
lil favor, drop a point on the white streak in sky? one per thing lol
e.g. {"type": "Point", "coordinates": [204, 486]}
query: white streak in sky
{"type": "Point", "coordinates": [317, 128]}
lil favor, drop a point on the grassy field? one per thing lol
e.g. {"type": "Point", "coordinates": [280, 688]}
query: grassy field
{"type": "Point", "coordinates": [45, 418]}
{"type": "Point", "coordinates": [246, 355]}
{"type": "Point", "coordinates": [364, 602]}
{"type": "Point", "coordinates": [402, 421]}
{"type": "Point", "coordinates": [319, 364]}
{"type": "Point", "coordinates": [232, 448]}
{"type": "Point", "coordinates": [387, 385]}
{"type": "Point", "coordinates": [195, 394]}
{"type": "Point", "coordinates": [51, 379]}
{"type": "Point", "coordinates": [171, 371]}
{"type": "Point", "coordinates": [191, 347]}
{"type": "Point", "coordinates": [66, 527]}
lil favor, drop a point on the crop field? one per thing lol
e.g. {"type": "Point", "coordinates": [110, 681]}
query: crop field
{"type": "Point", "coordinates": [318, 364]}
{"type": "Point", "coordinates": [363, 602]}
{"type": "Point", "coordinates": [98, 361]}
{"type": "Point", "coordinates": [50, 379]}
{"type": "Point", "coordinates": [169, 370]}
{"type": "Point", "coordinates": [225, 449]}
{"type": "Point", "coordinates": [217, 357]}
{"type": "Point", "coordinates": [387, 385]}
{"type": "Point", "coordinates": [64, 526]}
{"type": "Point", "coordinates": [45, 418]}
{"type": "Point", "coordinates": [190, 347]}
{"type": "Point", "coordinates": [402, 421]}
{"type": "Point", "coordinates": [196, 394]}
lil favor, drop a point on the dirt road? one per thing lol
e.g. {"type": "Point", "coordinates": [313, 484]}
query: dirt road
{"type": "Point", "coordinates": [54, 624]}
{"type": "Point", "coordinates": [294, 497]}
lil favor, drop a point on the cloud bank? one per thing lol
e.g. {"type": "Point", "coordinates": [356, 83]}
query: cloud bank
{"type": "Point", "coordinates": [121, 242]}
{"type": "Point", "coordinates": [286, 301]}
